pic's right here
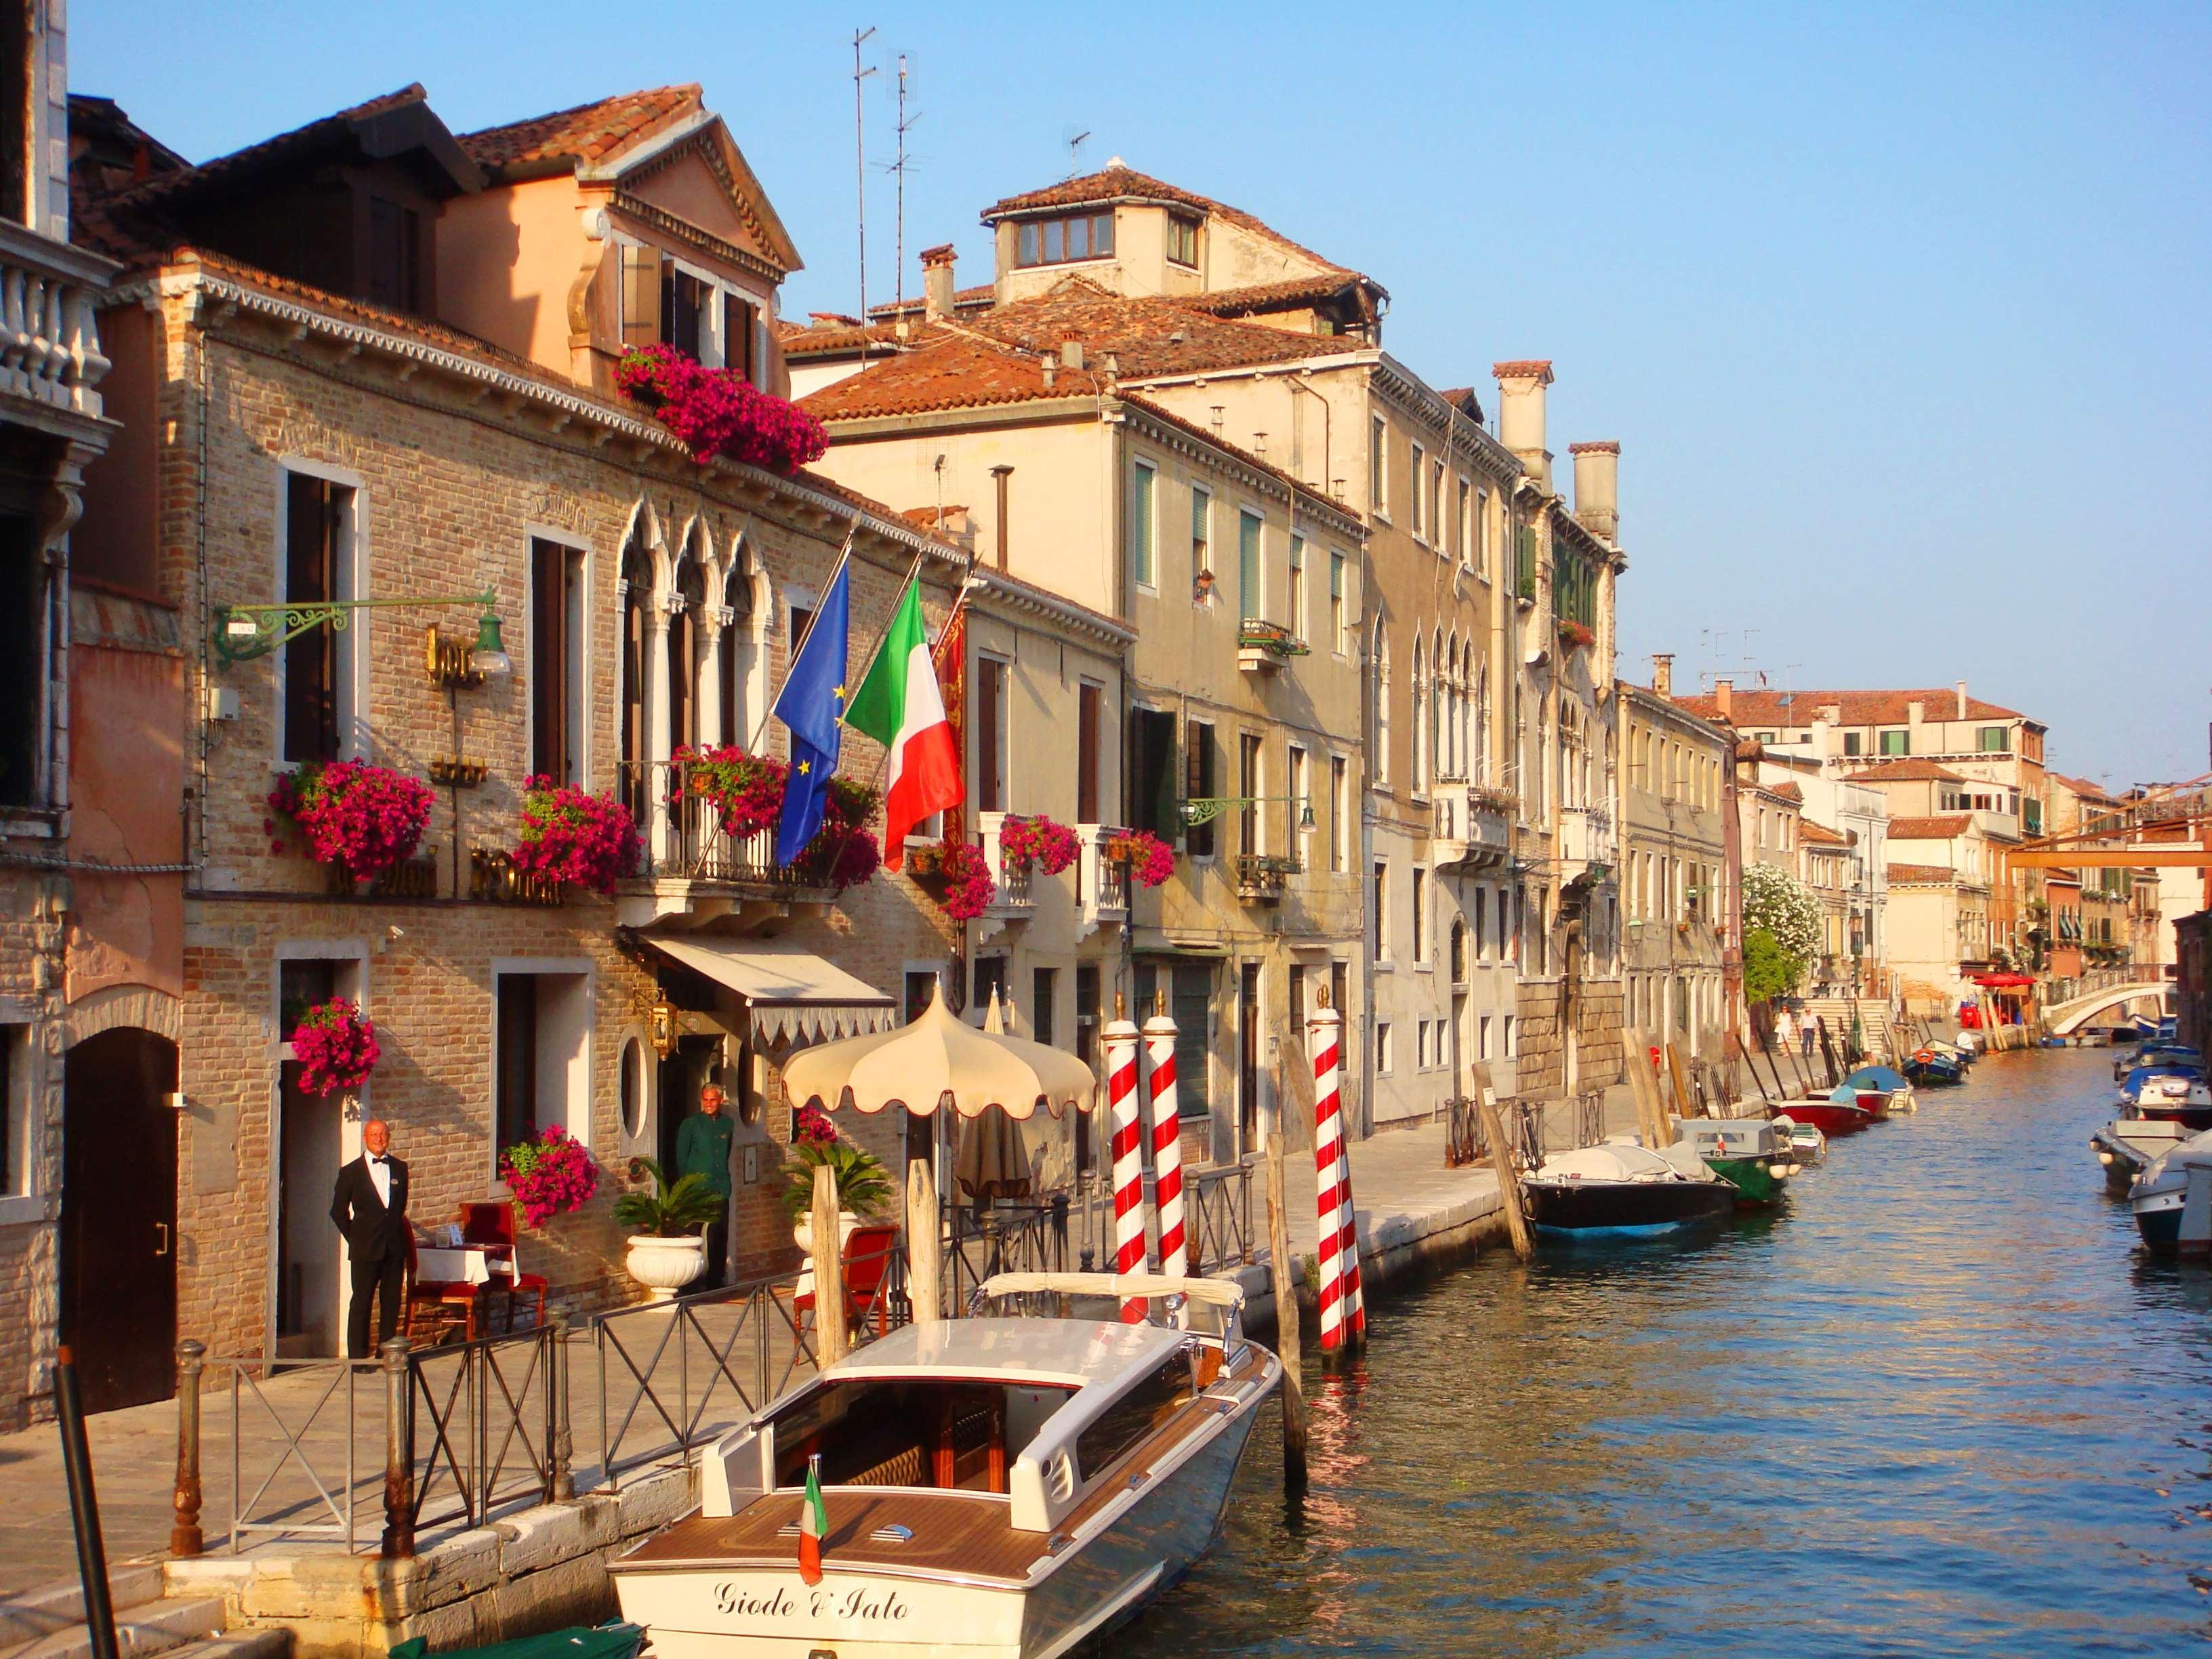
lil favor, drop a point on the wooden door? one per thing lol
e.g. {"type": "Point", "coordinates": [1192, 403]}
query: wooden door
{"type": "Point", "coordinates": [119, 1230]}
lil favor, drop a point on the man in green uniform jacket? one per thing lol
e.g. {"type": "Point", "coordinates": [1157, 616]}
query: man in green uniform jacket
{"type": "Point", "coordinates": [703, 1149]}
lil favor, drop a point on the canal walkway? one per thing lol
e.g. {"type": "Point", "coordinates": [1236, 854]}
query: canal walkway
{"type": "Point", "coordinates": [325, 1457]}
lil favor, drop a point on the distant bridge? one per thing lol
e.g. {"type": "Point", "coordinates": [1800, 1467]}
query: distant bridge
{"type": "Point", "coordinates": [2064, 1019]}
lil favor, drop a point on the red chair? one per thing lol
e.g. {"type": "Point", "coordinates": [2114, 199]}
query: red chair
{"type": "Point", "coordinates": [489, 1226]}
{"type": "Point", "coordinates": [869, 1252]}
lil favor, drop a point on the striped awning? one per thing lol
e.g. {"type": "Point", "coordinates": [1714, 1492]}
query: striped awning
{"type": "Point", "coordinates": [790, 995]}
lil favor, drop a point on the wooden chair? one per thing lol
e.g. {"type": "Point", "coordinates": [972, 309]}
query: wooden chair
{"type": "Point", "coordinates": [435, 1309]}
{"type": "Point", "coordinates": [489, 1225]}
{"type": "Point", "coordinates": [865, 1269]}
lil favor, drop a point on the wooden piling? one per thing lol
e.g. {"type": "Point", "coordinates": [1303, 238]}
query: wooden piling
{"type": "Point", "coordinates": [1509, 1179]}
{"type": "Point", "coordinates": [831, 1340]}
{"type": "Point", "coordinates": [1682, 1100]}
{"type": "Point", "coordinates": [1288, 1347]}
{"type": "Point", "coordinates": [925, 1264]}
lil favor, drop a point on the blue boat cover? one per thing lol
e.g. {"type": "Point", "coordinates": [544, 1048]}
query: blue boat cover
{"type": "Point", "coordinates": [2133, 1086]}
{"type": "Point", "coordinates": [1876, 1077]}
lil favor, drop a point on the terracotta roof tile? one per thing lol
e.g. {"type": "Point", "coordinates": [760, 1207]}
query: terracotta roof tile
{"type": "Point", "coordinates": [1778, 708]}
{"type": "Point", "coordinates": [1290, 292]}
{"type": "Point", "coordinates": [1149, 336]}
{"type": "Point", "coordinates": [2087, 789]}
{"type": "Point", "coordinates": [1942, 826]}
{"type": "Point", "coordinates": [1818, 835]}
{"type": "Point", "coordinates": [1115, 184]}
{"type": "Point", "coordinates": [1906, 771]}
{"type": "Point", "coordinates": [1938, 875]}
{"type": "Point", "coordinates": [803, 341]}
{"type": "Point", "coordinates": [1787, 789]}
{"type": "Point", "coordinates": [963, 299]}
{"type": "Point", "coordinates": [1523, 368]}
{"type": "Point", "coordinates": [587, 132]}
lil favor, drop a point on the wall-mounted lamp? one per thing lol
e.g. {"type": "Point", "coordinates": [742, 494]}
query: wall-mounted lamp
{"type": "Point", "coordinates": [243, 632]}
{"type": "Point", "coordinates": [450, 663]}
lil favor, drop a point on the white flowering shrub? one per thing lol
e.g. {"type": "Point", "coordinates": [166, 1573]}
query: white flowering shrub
{"type": "Point", "coordinates": [1784, 907]}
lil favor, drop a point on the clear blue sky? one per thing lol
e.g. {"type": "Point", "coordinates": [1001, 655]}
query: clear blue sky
{"type": "Point", "coordinates": [1898, 313]}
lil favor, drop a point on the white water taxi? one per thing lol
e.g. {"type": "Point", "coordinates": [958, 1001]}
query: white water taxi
{"type": "Point", "coordinates": [995, 1488]}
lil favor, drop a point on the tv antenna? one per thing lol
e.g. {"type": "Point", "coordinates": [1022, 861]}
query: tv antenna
{"type": "Point", "coordinates": [1075, 141]}
{"type": "Point", "coordinates": [897, 168]}
{"type": "Point", "coordinates": [861, 177]}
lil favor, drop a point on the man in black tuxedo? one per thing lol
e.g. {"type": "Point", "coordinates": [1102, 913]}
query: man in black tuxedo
{"type": "Point", "coordinates": [370, 1208]}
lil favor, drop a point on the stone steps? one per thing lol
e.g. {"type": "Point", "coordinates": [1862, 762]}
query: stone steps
{"type": "Point", "coordinates": [1874, 1023]}
{"type": "Point", "coordinates": [49, 1623]}
{"type": "Point", "coordinates": [162, 1624]}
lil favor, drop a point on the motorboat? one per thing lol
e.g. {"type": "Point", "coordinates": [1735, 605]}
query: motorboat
{"type": "Point", "coordinates": [1896, 1093]}
{"type": "Point", "coordinates": [2128, 1145]}
{"type": "Point", "coordinates": [1841, 1112]}
{"type": "Point", "coordinates": [1936, 1065]}
{"type": "Point", "coordinates": [1620, 1189]}
{"type": "Point", "coordinates": [2172, 1199]}
{"type": "Point", "coordinates": [995, 1487]}
{"type": "Point", "coordinates": [2155, 1053]}
{"type": "Point", "coordinates": [1807, 1145]}
{"type": "Point", "coordinates": [2176, 1096]}
{"type": "Point", "coordinates": [1753, 1155]}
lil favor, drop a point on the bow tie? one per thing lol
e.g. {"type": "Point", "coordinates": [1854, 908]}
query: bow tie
{"type": "Point", "coordinates": [379, 1158]}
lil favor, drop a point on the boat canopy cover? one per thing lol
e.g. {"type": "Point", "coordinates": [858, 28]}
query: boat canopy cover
{"type": "Point", "coordinates": [2142, 1074]}
{"type": "Point", "coordinates": [1610, 1162]}
{"type": "Point", "coordinates": [1877, 1077]}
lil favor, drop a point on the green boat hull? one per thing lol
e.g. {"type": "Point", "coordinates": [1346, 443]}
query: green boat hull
{"type": "Point", "coordinates": [1755, 1189]}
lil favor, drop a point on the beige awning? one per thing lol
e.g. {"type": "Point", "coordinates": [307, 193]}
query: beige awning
{"type": "Point", "coordinates": [790, 995]}
{"type": "Point", "coordinates": [938, 1060]}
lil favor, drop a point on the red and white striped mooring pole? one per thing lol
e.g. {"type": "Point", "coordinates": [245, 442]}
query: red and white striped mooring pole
{"type": "Point", "coordinates": [1120, 1039]}
{"type": "Point", "coordinates": [1167, 1139]}
{"type": "Point", "coordinates": [1343, 1310]}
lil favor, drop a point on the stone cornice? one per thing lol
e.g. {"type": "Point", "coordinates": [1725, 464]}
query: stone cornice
{"type": "Point", "coordinates": [520, 389]}
{"type": "Point", "coordinates": [1173, 434]}
{"type": "Point", "coordinates": [1412, 395]}
{"type": "Point", "coordinates": [1000, 592]}
{"type": "Point", "coordinates": [700, 241]}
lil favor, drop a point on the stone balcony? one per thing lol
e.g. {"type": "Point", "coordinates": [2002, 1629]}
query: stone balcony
{"type": "Point", "coordinates": [1473, 826]}
{"type": "Point", "coordinates": [1263, 647]}
{"type": "Point", "coordinates": [1015, 901]}
{"type": "Point", "coordinates": [51, 363]}
{"type": "Point", "coordinates": [694, 867]}
{"type": "Point", "coordinates": [1102, 886]}
{"type": "Point", "coordinates": [1586, 836]}
{"type": "Point", "coordinates": [1261, 877]}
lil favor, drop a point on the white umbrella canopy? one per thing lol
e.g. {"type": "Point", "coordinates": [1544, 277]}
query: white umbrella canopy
{"type": "Point", "coordinates": [939, 1060]}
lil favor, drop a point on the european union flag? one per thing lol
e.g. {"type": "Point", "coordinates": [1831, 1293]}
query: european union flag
{"type": "Point", "coordinates": [812, 703]}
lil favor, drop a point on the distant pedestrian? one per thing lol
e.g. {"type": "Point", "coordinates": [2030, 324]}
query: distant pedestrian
{"type": "Point", "coordinates": [1785, 1027]}
{"type": "Point", "coordinates": [703, 1149]}
{"type": "Point", "coordinates": [1807, 1029]}
{"type": "Point", "coordinates": [369, 1206]}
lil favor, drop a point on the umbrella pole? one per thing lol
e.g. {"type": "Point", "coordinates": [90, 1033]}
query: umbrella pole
{"type": "Point", "coordinates": [924, 1243]}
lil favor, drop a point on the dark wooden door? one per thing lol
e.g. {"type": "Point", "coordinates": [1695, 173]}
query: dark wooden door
{"type": "Point", "coordinates": [118, 1233]}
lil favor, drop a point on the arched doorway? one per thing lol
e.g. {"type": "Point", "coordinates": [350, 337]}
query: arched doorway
{"type": "Point", "coordinates": [119, 1227]}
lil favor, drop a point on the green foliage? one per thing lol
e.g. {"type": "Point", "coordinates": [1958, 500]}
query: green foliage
{"type": "Point", "coordinates": [666, 1211]}
{"type": "Point", "coordinates": [864, 1187]}
{"type": "Point", "coordinates": [1769, 971]}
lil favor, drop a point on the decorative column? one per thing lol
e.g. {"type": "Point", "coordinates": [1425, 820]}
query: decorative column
{"type": "Point", "coordinates": [1343, 1310]}
{"type": "Point", "coordinates": [1120, 1044]}
{"type": "Point", "coordinates": [658, 732]}
{"type": "Point", "coordinates": [1167, 1139]}
{"type": "Point", "coordinates": [714, 631]}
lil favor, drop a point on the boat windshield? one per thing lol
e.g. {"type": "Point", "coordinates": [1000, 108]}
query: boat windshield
{"type": "Point", "coordinates": [953, 1435]}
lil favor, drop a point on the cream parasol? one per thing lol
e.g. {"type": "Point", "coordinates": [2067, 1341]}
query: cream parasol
{"type": "Point", "coordinates": [941, 1060]}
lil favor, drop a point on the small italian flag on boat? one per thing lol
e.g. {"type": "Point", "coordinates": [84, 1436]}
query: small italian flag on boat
{"type": "Point", "coordinates": [900, 705]}
{"type": "Point", "coordinates": [813, 1523]}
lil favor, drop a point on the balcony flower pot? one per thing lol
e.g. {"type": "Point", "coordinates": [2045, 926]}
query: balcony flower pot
{"type": "Point", "coordinates": [719, 415]}
{"type": "Point", "coordinates": [1051, 845]}
{"type": "Point", "coordinates": [746, 791]}
{"type": "Point", "coordinates": [1576, 636]}
{"type": "Point", "coordinates": [359, 819]}
{"type": "Point", "coordinates": [571, 835]}
{"type": "Point", "coordinates": [1150, 859]}
{"type": "Point", "coordinates": [969, 887]}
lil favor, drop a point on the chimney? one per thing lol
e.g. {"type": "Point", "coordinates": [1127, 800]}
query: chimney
{"type": "Point", "coordinates": [1961, 714]}
{"type": "Point", "coordinates": [1662, 673]}
{"type": "Point", "coordinates": [937, 282]}
{"type": "Point", "coordinates": [1598, 488]}
{"type": "Point", "coordinates": [1049, 365]}
{"type": "Point", "coordinates": [1070, 352]}
{"type": "Point", "coordinates": [1724, 698]}
{"type": "Point", "coordinates": [1521, 414]}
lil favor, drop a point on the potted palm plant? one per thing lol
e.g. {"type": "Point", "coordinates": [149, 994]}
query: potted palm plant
{"type": "Point", "coordinates": [666, 1222]}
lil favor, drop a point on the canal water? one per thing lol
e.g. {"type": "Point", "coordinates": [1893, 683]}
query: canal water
{"type": "Point", "coordinates": [1939, 1404]}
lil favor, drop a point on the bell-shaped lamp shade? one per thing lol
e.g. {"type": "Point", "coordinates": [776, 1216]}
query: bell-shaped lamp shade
{"type": "Point", "coordinates": [490, 658]}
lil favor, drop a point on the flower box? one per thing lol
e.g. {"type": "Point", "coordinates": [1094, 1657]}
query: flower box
{"type": "Point", "coordinates": [548, 1176]}
{"type": "Point", "coordinates": [715, 413]}
{"type": "Point", "coordinates": [573, 836]}
{"type": "Point", "coordinates": [336, 1048]}
{"type": "Point", "coordinates": [1576, 636]}
{"type": "Point", "coordinates": [1051, 845]}
{"type": "Point", "coordinates": [1149, 858]}
{"type": "Point", "coordinates": [359, 819]}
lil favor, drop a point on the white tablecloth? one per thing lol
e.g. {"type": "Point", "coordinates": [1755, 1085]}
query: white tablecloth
{"type": "Point", "coordinates": [462, 1267]}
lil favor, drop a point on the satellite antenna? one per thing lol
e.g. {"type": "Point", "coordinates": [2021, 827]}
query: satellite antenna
{"type": "Point", "coordinates": [1075, 141]}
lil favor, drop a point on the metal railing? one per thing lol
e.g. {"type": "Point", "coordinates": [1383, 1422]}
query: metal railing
{"type": "Point", "coordinates": [468, 1430]}
{"type": "Point", "coordinates": [1217, 1216]}
{"type": "Point", "coordinates": [1464, 1143]}
{"type": "Point", "coordinates": [1003, 1236]}
{"type": "Point", "coordinates": [684, 837]}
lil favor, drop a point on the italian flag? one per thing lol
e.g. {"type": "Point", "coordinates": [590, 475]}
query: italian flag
{"type": "Point", "coordinates": [900, 706]}
{"type": "Point", "coordinates": [813, 1524]}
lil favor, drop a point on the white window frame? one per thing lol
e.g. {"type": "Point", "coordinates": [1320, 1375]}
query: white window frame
{"type": "Point", "coordinates": [1423, 884]}
{"type": "Point", "coordinates": [353, 643]}
{"type": "Point", "coordinates": [1340, 601]}
{"type": "Point", "coordinates": [28, 1076]}
{"type": "Point", "coordinates": [1344, 801]}
{"type": "Point", "coordinates": [1258, 515]}
{"type": "Point", "coordinates": [354, 952]}
{"type": "Point", "coordinates": [1294, 575]}
{"type": "Point", "coordinates": [1383, 1048]}
{"type": "Point", "coordinates": [1297, 782]}
{"type": "Point", "coordinates": [576, 1101]}
{"type": "Point", "coordinates": [1378, 467]}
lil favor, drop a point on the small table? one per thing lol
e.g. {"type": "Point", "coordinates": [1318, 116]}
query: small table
{"type": "Point", "coordinates": [471, 1264]}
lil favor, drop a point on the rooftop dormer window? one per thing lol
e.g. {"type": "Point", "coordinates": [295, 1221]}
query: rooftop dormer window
{"type": "Point", "coordinates": [1182, 241]}
{"type": "Point", "coordinates": [1059, 242]}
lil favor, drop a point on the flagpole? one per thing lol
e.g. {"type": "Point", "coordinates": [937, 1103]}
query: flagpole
{"type": "Point", "coordinates": [844, 558]}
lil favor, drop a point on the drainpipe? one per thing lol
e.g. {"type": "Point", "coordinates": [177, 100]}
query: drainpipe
{"type": "Point", "coordinates": [1000, 475]}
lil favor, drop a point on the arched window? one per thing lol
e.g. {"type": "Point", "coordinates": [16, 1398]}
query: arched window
{"type": "Point", "coordinates": [1380, 757]}
{"type": "Point", "coordinates": [1481, 770]}
{"type": "Point", "coordinates": [636, 645]}
{"type": "Point", "coordinates": [1420, 720]}
{"type": "Point", "coordinates": [739, 650]}
{"type": "Point", "coordinates": [687, 645]}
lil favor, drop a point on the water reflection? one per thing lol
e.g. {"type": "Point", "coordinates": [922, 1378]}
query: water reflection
{"type": "Point", "coordinates": [1939, 1404]}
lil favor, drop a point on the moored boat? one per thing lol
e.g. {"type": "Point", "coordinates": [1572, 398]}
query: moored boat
{"type": "Point", "coordinates": [1896, 1093]}
{"type": "Point", "coordinates": [1936, 1065]}
{"type": "Point", "coordinates": [1839, 1114]}
{"type": "Point", "coordinates": [2127, 1146]}
{"type": "Point", "coordinates": [1618, 1189]}
{"type": "Point", "coordinates": [1753, 1155]}
{"type": "Point", "coordinates": [997, 1488]}
{"type": "Point", "coordinates": [2169, 1097]}
{"type": "Point", "coordinates": [1807, 1145]}
{"type": "Point", "coordinates": [2172, 1199]}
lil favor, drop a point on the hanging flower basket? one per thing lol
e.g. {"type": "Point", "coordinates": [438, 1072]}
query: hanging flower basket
{"type": "Point", "coordinates": [968, 887]}
{"type": "Point", "coordinates": [1488, 798]}
{"type": "Point", "coordinates": [1151, 860]}
{"type": "Point", "coordinates": [746, 791]}
{"type": "Point", "coordinates": [1051, 846]}
{"type": "Point", "coordinates": [571, 835]}
{"type": "Point", "coordinates": [716, 413]}
{"type": "Point", "coordinates": [335, 1044]}
{"type": "Point", "coordinates": [844, 851]}
{"type": "Point", "coordinates": [359, 819]}
{"type": "Point", "coordinates": [548, 1176]}
{"type": "Point", "coordinates": [1576, 636]}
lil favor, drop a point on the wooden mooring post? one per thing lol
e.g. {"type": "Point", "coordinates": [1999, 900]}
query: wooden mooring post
{"type": "Point", "coordinates": [1509, 1178]}
{"type": "Point", "coordinates": [1289, 1346]}
{"type": "Point", "coordinates": [831, 1340]}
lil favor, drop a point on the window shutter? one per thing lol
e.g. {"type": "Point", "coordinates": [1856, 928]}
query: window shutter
{"type": "Point", "coordinates": [640, 296]}
{"type": "Point", "coordinates": [737, 337]}
{"type": "Point", "coordinates": [1086, 760]}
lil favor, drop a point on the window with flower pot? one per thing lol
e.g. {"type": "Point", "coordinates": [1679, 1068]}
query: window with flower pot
{"type": "Point", "coordinates": [541, 1024]}
{"type": "Point", "coordinates": [316, 567]}
{"type": "Point", "coordinates": [317, 1129]}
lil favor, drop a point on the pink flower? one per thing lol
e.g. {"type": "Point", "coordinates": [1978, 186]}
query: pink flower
{"type": "Point", "coordinates": [1051, 846]}
{"type": "Point", "coordinates": [1151, 860]}
{"type": "Point", "coordinates": [548, 1176]}
{"type": "Point", "coordinates": [969, 888]}
{"type": "Point", "coordinates": [361, 819]}
{"type": "Point", "coordinates": [335, 1046]}
{"type": "Point", "coordinates": [713, 411]}
{"type": "Point", "coordinates": [572, 835]}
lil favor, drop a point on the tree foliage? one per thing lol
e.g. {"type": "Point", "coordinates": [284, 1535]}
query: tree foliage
{"type": "Point", "coordinates": [1768, 970]}
{"type": "Point", "coordinates": [1784, 907]}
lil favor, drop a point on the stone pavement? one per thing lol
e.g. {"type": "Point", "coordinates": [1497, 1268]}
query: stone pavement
{"type": "Point", "coordinates": [1405, 1198]}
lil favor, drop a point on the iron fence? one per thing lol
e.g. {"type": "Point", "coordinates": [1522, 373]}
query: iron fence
{"type": "Point", "coordinates": [1003, 1235]}
{"type": "Point", "coordinates": [484, 1422]}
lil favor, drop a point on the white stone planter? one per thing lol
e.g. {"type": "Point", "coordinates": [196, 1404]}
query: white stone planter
{"type": "Point", "coordinates": [803, 1235]}
{"type": "Point", "coordinates": [665, 1266]}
